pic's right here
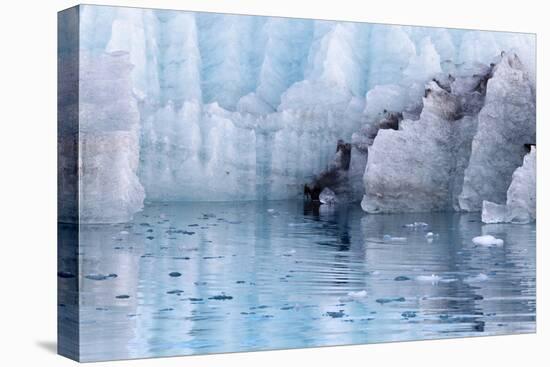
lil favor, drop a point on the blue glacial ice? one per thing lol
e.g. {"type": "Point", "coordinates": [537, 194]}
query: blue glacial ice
{"type": "Point", "coordinates": [214, 107]}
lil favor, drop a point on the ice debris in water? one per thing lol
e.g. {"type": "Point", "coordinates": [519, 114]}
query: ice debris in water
{"type": "Point", "coordinates": [429, 278]}
{"type": "Point", "coordinates": [408, 314]}
{"type": "Point", "coordinates": [273, 212]}
{"type": "Point", "coordinates": [221, 297]}
{"type": "Point", "coordinates": [358, 294]}
{"type": "Point", "coordinates": [354, 296]}
{"type": "Point", "coordinates": [336, 314]}
{"type": "Point", "coordinates": [487, 240]}
{"type": "Point", "coordinates": [401, 278]}
{"type": "Point", "coordinates": [100, 276]}
{"type": "Point", "coordinates": [388, 300]}
{"type": "Point", "coordinates": [476, 278]}
{"type": "Point", "coordinates": [388, 238]}
{"type": "Point", "coordinates": [417, 225]}
{"type": "Point", "coordinates": [289, 252]}
{"type": "Point", "coordinates": [327, 196]}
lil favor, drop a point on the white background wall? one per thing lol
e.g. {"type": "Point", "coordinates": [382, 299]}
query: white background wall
{"type": "Point", "coordinates": [28, 182]}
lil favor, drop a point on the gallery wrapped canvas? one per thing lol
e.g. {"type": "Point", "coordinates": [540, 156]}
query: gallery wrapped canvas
{"type": "Point", "coordinates": [233, 183]}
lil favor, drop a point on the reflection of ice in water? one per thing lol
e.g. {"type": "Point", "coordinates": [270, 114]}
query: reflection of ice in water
{"type": "Point", "coordinates": [304, 277]}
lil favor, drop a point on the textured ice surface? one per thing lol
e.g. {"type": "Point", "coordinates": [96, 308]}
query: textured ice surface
{"type": "Point", "coordinates": [493, 213]}
{"type": "Point", "coordinates": [506, 123]}
{"type": "Point", "coordinates": [520, 204]}
{"type": "Point", "coordinates": [250, 108]}
{"type": "Point", "coordinates": [416, 167]}
{"type": "Point", "coordinates": [109, 140]}
{"type": "Point", "coordinates": [327, 196]}
{"type": "Point", "coordinates": [453, 157]}
{"type": "Point", "coordinates": [487, 240]}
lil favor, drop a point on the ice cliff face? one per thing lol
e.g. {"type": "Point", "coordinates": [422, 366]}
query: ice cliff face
{"type": "Point", "coordinates": [226, 107]}
{"type": "Point", "coordinates": [520, 206]}
{"type": "Point", "coordinates": [110, 190]}
{"type": "Point", "coordinates": [468, 140]}
{"type": "Point", "coordinates": [506, 125]}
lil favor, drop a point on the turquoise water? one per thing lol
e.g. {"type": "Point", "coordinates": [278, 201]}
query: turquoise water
{"type": "Point", "coordinates": [225, 277]}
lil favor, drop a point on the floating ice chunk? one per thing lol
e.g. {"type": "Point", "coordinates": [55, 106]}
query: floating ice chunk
{"type": "Point", "coordinates": [354, 296]}
{"type": "Point", "coordinates": [327, 196]}
{"type": "Point", "coordinates": [289, 252]}
{"type": "Point", "coordinates": [476, 278]}
{"type": "Point", "coordinates": [416, 225]}
{"type": "Point", "coordinates": [358, 294]}
{"type": "Point", "coordinates": [493, 213]}
{"type": "Point", "coordinates": [487, 240]}
{"type": "Point", "coordinates": [429, 278]}
{"type": "Point", "coordinates": [448, 280]}
{"type": "Point", "coordinates": [273, 212]}
{"type": "Point", "coordinates": [389, 238]}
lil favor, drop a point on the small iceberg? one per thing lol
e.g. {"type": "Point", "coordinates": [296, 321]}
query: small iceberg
{"type": "Point", "coordinates": [430, 236]}
{"type": "Point", "coordinates": [476, 278]}
{"type": "Point", "coordinates": [487, 240]}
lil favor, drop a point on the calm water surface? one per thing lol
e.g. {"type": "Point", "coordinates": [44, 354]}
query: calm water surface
{"type": "Point", "coordinates": [224, 277]}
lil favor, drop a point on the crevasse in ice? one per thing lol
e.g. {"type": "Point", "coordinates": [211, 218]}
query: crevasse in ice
{"type": "Point", "coordinates": [227, 107]}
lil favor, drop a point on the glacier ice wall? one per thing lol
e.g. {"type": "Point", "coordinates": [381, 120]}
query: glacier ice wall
{"type": "Point", "coordinates": [506, 124]}
{"type": "Point", "coordinates": [520, 206]}
{"type": "Point", "coordinates": [471, 135]}
{"type": "Point", "coordinates": [108, 135]}
{"type": "Point", "coordinates": [234, 107]}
